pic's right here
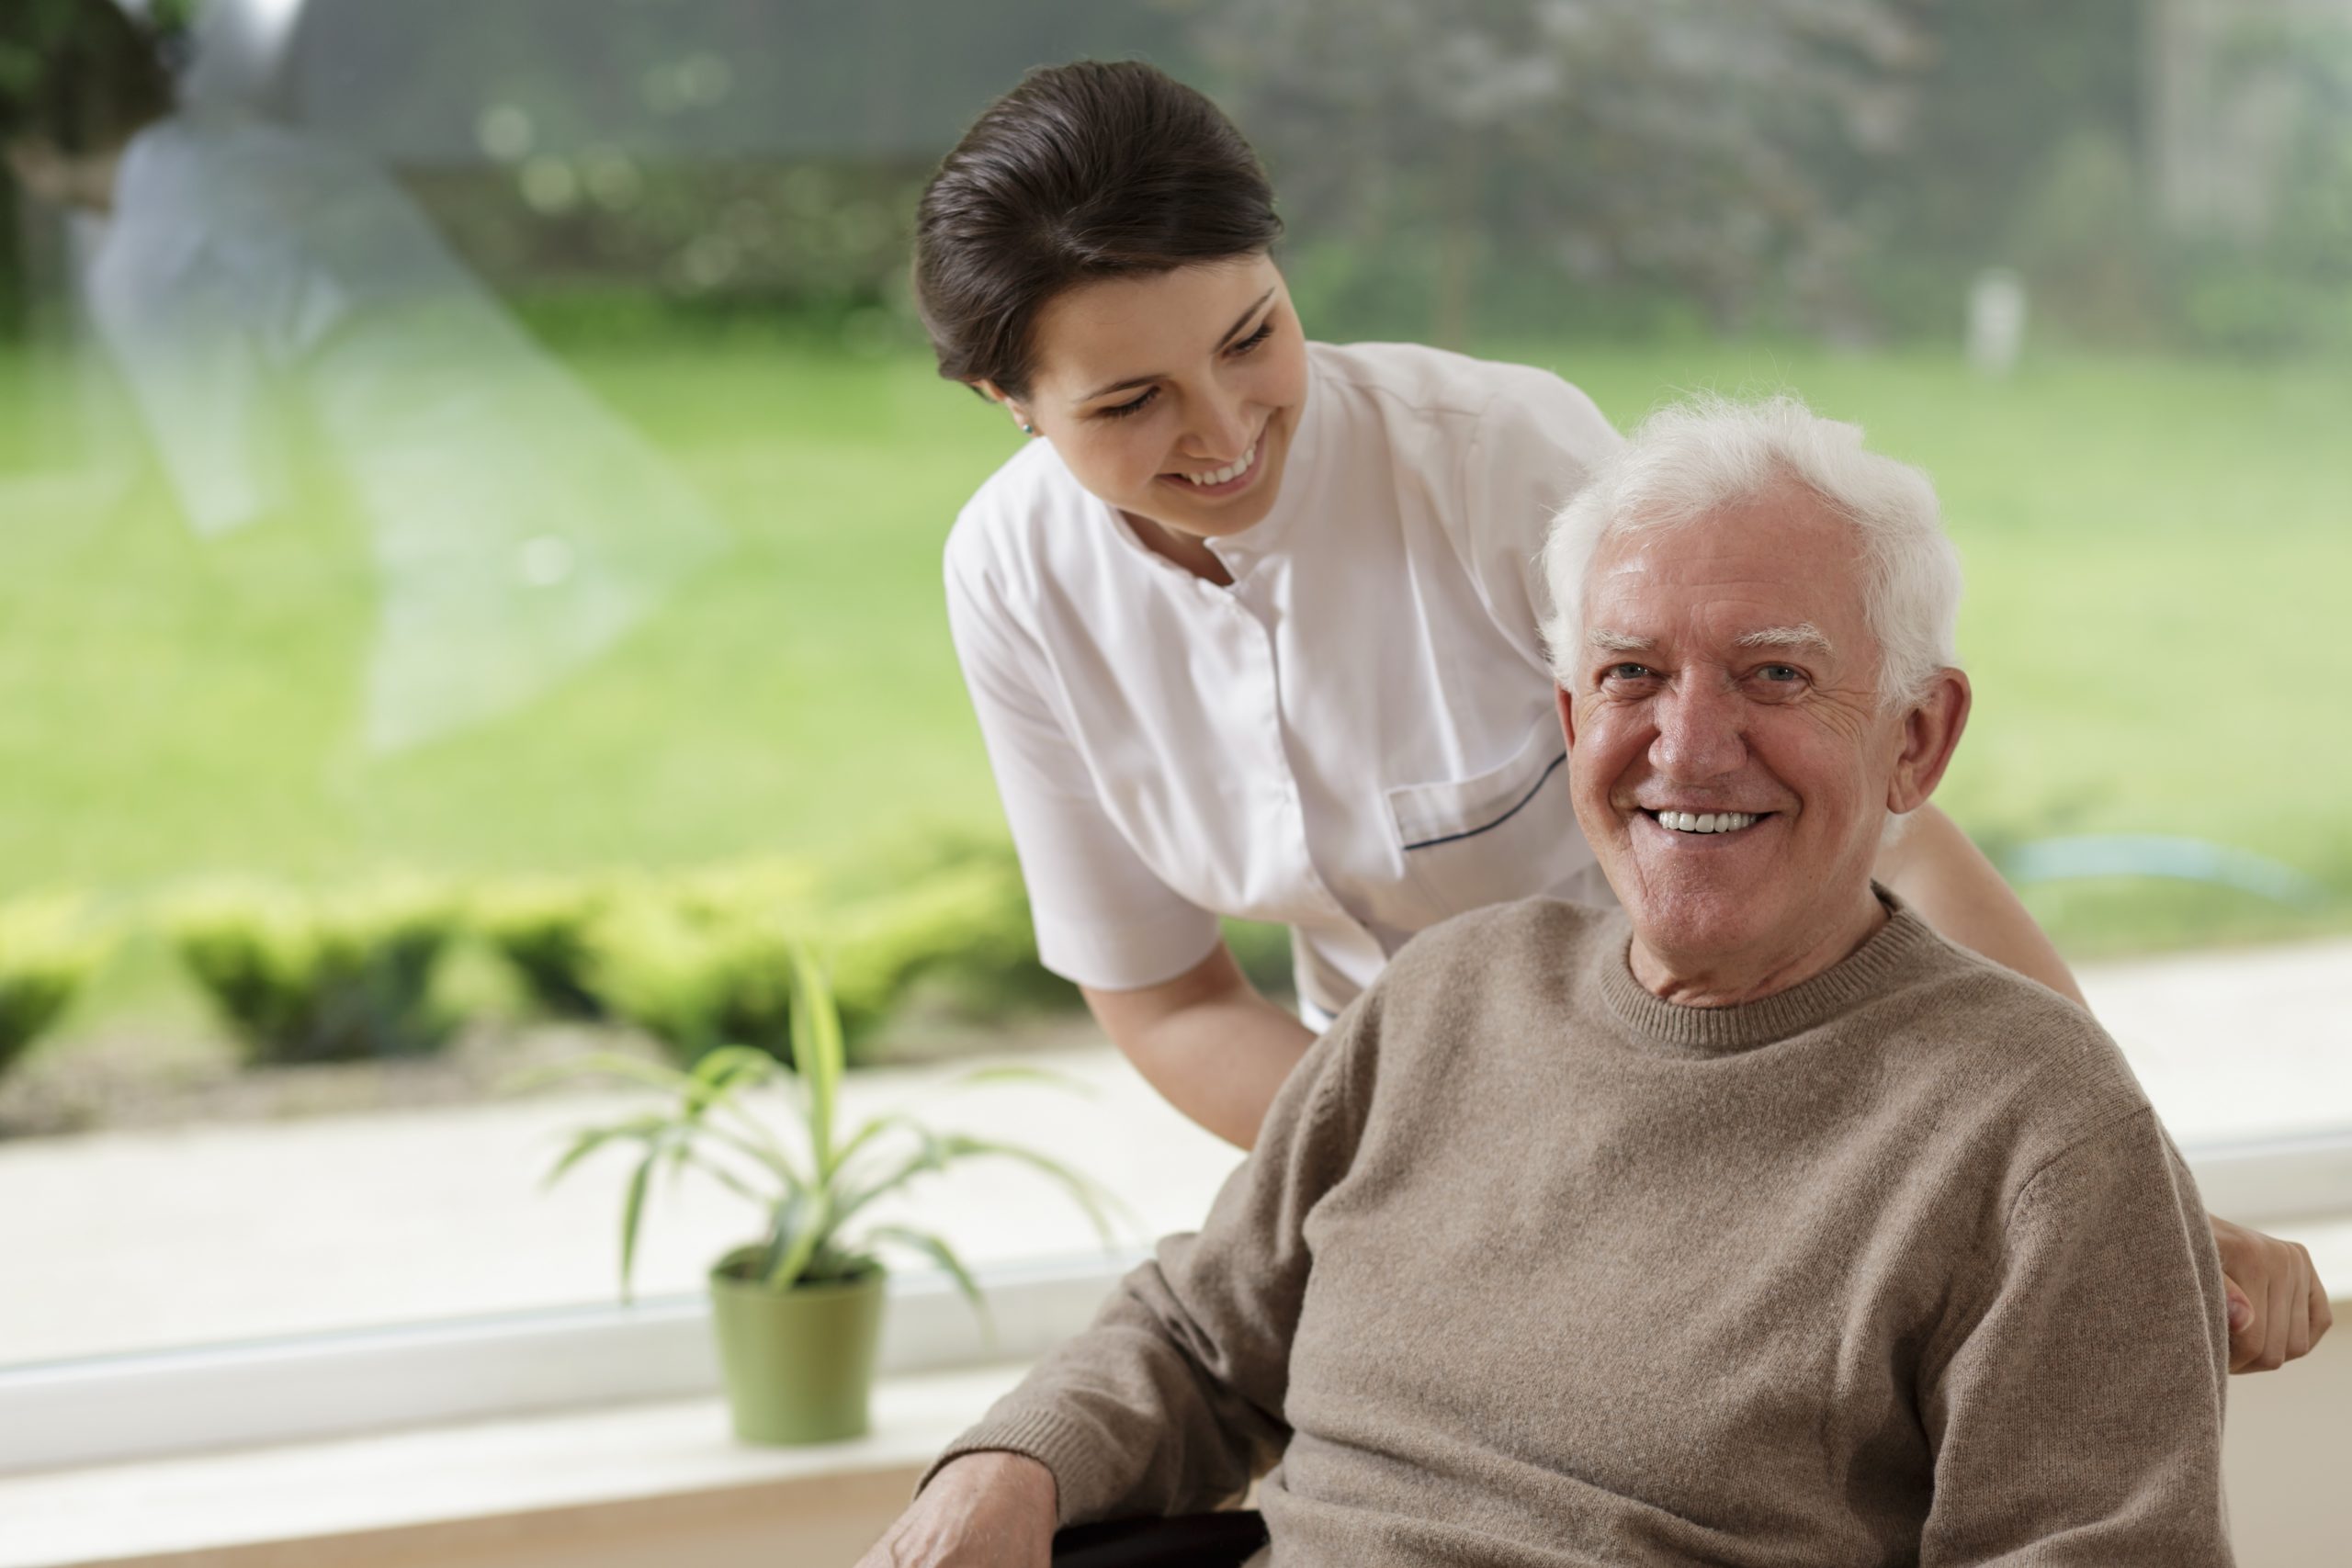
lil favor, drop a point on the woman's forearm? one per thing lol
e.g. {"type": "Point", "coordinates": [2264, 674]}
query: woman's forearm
{"type": "Point", "coordinates": [1935, 870]}
{"type": "Point", "coordinates": [1213, 1047]}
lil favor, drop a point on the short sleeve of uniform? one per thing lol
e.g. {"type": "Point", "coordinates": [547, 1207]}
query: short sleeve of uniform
{"type": "Point", "coordinates": [1536, 442]}
{"type": "Point", "coordinates": [1103, 919]}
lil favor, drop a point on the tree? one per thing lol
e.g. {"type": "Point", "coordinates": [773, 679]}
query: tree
{"type": "Point", "coordinates": [1651, 142]}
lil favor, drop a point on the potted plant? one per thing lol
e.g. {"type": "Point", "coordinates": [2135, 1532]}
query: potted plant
{"type": "Point", "coordinates": [797, 1313]}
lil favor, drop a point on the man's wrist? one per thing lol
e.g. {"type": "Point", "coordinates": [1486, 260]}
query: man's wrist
{"type": "Point", "coordinates": [1003, 1473]}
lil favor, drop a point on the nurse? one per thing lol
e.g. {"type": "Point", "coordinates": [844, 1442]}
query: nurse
{"type": "Point", "coordinates": [1250, 625]}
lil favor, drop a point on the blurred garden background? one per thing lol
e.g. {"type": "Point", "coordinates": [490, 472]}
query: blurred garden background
{"type": "Point", "coordinates": [2090, 266]}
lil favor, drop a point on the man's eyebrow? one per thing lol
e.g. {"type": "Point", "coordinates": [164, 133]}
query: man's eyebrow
{"type": "Point", "coordinates": [1805, 634]}
{"type": "Point", "coordinates": [1231, 334]}
{"type": "Point", "coordinates": [1619, 642]}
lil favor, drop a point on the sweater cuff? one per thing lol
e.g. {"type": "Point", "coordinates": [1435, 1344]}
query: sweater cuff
{"type": "Point", "coordinates": [1070, 1449]}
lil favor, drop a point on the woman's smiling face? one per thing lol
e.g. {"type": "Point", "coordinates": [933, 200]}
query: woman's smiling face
{"type": "Point", "coordinates": [1173, 395]}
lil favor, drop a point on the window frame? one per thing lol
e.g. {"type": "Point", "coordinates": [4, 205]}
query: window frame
{"type": "Point", "coordinates": [143, 1405]}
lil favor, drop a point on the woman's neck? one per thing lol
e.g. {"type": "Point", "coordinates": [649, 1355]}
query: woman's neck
{"type": "Point", "coordinates": [1188, 550]}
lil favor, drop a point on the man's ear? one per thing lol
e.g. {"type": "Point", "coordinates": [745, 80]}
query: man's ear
{"type": "Point", "coordinates": [1931, 731]}
{"type": "Point", "coordinates": [1566, 703]}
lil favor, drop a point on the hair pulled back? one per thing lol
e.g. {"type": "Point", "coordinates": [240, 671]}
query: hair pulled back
{"type": "Point", "coordinates": [1087, 171]}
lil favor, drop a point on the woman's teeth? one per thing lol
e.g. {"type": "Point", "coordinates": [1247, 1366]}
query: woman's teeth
{"type": "Point", "coordinates": [1231, 471]}
{"type": "Point", "coordinates": [1711, 822]}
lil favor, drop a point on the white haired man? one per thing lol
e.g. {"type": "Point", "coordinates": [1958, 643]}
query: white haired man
{"type": "Point", "coordinates": [1755, 1225]}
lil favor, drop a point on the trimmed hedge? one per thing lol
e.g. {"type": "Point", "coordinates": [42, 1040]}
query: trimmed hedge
{"type": "Point", "coordinates": [334, 978]}
{"type": "Point", "coordinates": [696, 961]}
{"type": "Point", "coordinates": [705, 961]}
{"type": "Point", "coordinates": [46, 953]}
{"type": "Point", "coordinates": [544, 930]}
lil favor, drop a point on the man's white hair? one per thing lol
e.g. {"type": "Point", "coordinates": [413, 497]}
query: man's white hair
{"type": "Point", "coordinates": [1710, 454]}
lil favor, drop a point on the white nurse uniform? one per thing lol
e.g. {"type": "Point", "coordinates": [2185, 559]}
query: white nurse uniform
{"type": "Point", "coordinates": [1357, 738]}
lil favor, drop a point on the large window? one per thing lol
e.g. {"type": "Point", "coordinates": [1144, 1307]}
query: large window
{"type": "Point", "coordinates": [472, 487]}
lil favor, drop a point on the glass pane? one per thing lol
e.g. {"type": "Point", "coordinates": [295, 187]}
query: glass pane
{"type": "Point", "coordinates": [472, 484]}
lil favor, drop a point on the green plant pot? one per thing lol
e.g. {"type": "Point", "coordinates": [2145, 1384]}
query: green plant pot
{"type": "Point", "coordinates": [798, 1364]}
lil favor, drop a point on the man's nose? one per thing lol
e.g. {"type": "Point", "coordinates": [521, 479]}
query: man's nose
{"type": "Point", "coordinates": [1699, 731]}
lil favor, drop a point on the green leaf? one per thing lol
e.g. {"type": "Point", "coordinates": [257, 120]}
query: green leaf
{"type": "Point", "coordinates": [595, 1138]}
{"type": "Point", "coordinates": [873, 1129]}
{"type": "Point", "coordinates": [1044, 1076]}
{"type": "Point", "coordinates": [719, 1073]}
{"type": "Point", "coordinates": [817, 1044]}
{"type": "Point", "coordinates": [770, 1157]}
{"type": "Point", "coordinates": [1088, 1195]}
{"type": "Point", "coordinates": [939, 1252]}
{"type": "Point", "coordinates": [632, 1213]}
{"type": "Point", "coordinates": [930, 1155]}
{"type": "Point", "coordinates": [809, 1235]}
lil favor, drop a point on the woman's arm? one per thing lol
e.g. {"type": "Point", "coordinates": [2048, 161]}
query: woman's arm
{"type": "Point", "coordinates": [1935, 870]}
{"type": "Point", "coordinates": [1213, 1047]}
{"type": "Point", "coordinates": [2279, 1304]}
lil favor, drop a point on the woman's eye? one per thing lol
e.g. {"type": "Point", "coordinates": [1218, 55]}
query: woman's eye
{"type": "Point", "coordinates": [1265, 330]}
{"type": "Point", "coordinates": [1120, 410]}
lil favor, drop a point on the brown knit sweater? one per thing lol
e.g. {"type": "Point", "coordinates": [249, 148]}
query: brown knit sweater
{"type": "Point", "coordinates": [1532, 1269]}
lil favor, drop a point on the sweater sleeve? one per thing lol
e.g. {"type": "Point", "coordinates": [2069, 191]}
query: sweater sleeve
{"type": "Point", "coordinates": [2079, 1421]}
{"type": "Point", "coordinates": [1171, 1402]}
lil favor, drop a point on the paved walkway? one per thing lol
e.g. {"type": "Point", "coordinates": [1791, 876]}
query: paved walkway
{"type": "Point", "coordinates": [137, 1240]}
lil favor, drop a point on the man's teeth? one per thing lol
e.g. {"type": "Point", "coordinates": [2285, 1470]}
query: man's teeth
{"type": "Point", "coordinates": [1231, 471]}
{"type": "Point", "coordinates": [1707, 822]}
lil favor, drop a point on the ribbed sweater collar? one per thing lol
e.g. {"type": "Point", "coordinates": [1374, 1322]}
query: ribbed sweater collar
{"type": "Point", "coordinates": [1895, 947]}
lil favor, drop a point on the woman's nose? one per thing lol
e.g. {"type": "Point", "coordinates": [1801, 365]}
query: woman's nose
{"type": "Point", "coordinates": [1220, 428]}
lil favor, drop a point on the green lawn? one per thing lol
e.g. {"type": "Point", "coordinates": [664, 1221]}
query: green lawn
{"type": "Point", "coordinates": [2157, 553]}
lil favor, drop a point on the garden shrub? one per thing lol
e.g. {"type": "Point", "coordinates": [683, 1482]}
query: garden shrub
{"type": "Point", "coordinates": [966, 924]}
{"type": "Point", "coordinates": [1263, 949]}
{"type": "Point", "coordinates": [698, 975]}
{"type": "Point", "coordinates": [705, 961]}
{"type": "Point", "coordinates": [301, 978]}
{"type": "Point", "coordinates": [46, 953]}
{"type": "Point", "coordinates": [544, 930]}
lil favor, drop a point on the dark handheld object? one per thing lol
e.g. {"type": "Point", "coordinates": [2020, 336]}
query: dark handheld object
{"type": "Point", "coordinates": [1193, 1540]}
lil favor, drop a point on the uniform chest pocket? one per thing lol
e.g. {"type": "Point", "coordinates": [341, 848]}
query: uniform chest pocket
{"type": "Point", "coordinates": [1510, 833]}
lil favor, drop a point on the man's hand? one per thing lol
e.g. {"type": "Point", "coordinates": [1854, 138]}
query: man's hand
{"type": "Point", "coordinates": [982, 1510]}
{"type": "Point", "coordinates": [2277, 1305]}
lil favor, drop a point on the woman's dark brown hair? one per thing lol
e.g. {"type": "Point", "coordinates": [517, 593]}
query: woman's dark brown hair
{"type": "Point", "coordinates": [1083, 172]}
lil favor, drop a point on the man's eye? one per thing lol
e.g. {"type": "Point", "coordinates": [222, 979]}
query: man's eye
{"type": "Point", "coordinates": [1781, 673]}
{"type": "Point", "coordinates": [1628, 672]}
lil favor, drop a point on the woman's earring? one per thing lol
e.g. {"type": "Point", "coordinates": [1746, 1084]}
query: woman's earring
{"type": "Point", "coordinates": [1028, 430]}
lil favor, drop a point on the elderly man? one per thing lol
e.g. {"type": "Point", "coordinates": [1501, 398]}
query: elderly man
{"type": "Point", "coordinates": [1757, 1225]}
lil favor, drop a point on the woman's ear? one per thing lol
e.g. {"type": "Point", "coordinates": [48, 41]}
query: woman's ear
{"type": "Point", "coordinates": [995, 394]}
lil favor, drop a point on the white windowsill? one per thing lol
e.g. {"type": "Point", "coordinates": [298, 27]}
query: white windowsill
{"type": "Point", "coordinates": [531, 1490]}
{"type": "Point", "coordinates": [437, 1494]}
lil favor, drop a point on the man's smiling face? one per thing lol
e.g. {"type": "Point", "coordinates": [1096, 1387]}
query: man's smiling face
{"type": "Point", "coordinates": [1730, 761]}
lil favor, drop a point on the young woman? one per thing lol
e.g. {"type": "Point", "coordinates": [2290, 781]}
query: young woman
{"type": "Point", "coordinates": [1250, 625]}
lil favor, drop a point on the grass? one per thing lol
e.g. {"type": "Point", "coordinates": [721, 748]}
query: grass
{"type": "Point", "coordinates": [2156, 551]}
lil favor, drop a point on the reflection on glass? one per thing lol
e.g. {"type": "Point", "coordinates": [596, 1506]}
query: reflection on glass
{"type": "Point", "coordinates": [262, 291]}
{"type": "Point", "coordinates": [375, 505]}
